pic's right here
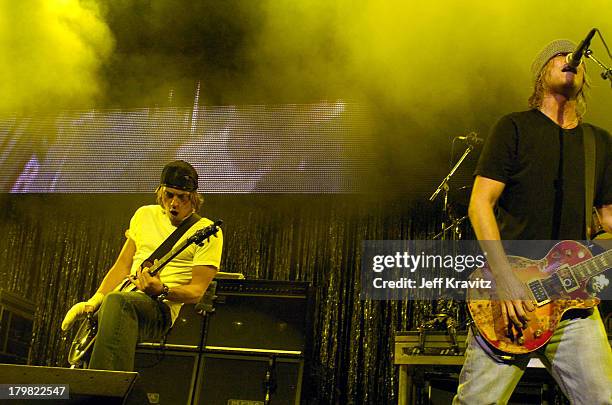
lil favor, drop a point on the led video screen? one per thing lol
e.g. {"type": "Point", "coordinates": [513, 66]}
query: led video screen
{"type": "Point", "coordinates": [290, 148]}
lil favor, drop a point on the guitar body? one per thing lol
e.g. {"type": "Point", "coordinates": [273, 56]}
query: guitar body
{"type": "Point", "coordinates": [86, 334]}
{"type": "Point", "coordinates": [83, 341]}
{"type": "Point", "coordinates": [567, 290]}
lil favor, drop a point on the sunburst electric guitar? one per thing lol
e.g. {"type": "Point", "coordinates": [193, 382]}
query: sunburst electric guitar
{"type": "Point", "coordinates": [86, 334]}
{"type": "Point", "coordinates": [556, 283]}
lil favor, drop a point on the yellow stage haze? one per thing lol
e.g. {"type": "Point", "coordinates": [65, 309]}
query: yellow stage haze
{"type": "Point", "coordinates": [426, 57]}
{"type": "Point", "coordinates": [51, 51]}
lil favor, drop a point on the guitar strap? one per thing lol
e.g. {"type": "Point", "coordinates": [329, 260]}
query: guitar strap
{"type": "Point", "coordinates": [589, 176]}
{"type": "Point", "coordinates": [171, 240]}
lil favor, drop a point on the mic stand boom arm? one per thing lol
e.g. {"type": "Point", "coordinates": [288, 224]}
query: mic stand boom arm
{"type": "Point", "coordinates": [607, 73]}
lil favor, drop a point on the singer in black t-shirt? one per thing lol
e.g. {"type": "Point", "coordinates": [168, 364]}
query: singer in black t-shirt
{"type": "Point", "coordinates": [530, 184]}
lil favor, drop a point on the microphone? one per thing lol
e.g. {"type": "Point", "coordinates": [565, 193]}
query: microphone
{"type": "Point", "coordinates": [573, 59]}
{"type": "Point", "coordinates": [471, 139]}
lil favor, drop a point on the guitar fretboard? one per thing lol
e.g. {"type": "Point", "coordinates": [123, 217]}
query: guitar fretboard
{"type": "Point", "coordinates": [593, 266]}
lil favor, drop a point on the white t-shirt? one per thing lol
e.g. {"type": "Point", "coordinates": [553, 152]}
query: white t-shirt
{"type": "Point", "coordinates": [149, 227]}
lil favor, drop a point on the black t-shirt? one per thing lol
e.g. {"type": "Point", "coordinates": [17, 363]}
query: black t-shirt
{"type": "Point", "coordinates": [542, 166]}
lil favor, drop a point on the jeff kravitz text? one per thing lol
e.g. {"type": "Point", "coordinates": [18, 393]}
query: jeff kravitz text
{"type": "Point", "coordinates": [435, 283]}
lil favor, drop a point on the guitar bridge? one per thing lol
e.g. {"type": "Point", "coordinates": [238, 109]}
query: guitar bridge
{"type": "Point", "coordinates": [539, 292]}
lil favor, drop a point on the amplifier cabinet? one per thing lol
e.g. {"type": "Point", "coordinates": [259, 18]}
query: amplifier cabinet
{"type": "Point", "coordinates": [16, 323]}
{"type": "Point", "coordinates": [261, 315]}
{"type": "Point", "coordinates": [166, 377]}
{"type": "Point", "coordinates": [186, 333]}
{"type": "Point", "coordinates": [240, 379]}
{"type": "Point", "coordinates": [257, 332]}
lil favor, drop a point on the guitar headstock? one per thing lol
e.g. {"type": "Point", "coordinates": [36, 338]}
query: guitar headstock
{"type": "Point", "coordinates": [205, 233]}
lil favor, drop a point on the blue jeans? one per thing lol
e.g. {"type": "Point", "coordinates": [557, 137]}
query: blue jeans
{"type": "Point", "coordinates": [578, 356]}
{"type": "Point", "coordinates": [125, 318]}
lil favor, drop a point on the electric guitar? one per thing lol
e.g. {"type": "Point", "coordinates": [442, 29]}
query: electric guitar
{"type": "Point", "coordinates": [556, 283]}
{"type": "Point", "coordinates": [86, 334]}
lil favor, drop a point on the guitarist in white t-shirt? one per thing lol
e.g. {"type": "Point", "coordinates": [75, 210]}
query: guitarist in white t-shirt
{"type": "Point", "coordinates": [148, 311]}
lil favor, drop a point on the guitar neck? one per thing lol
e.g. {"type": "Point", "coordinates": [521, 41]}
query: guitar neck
{"type": "Point", "coordinates": [159, 265]}
{"type": "Point", "coordinates": [127, 285]}
{"type": "Point", "coordinates": [198, 238]}
{"type": "Point", "coordinates": [593, 266]}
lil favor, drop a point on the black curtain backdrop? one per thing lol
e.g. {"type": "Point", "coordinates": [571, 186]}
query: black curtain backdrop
{"type": "Point", "coordinates": [57, 247]}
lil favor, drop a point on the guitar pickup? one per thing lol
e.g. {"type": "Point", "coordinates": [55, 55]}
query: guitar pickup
{"type": "Point", "coordinates": [539, 292]}
{"type": "Point", "coordinates": [567, 279]}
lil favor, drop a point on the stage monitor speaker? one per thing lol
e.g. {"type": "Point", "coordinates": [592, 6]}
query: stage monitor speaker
{"type": "Point", "coordinates": [85, 386]}
{"type": "Point", "coordinates": [227, 379]}
{"type": "Point", "coordinates": [259, 314]}
{"type": "Point", "coordinates": [166, 377]}
{"type": "Point", "coordinates": [186, 333]}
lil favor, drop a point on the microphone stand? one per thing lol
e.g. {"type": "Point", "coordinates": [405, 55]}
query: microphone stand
{"type": "Point", "coordinates": [445, 306]}
{"type": "Point", "coordinates": [607, 73]}
{"type": "Point", "coordinates": [269, 383]}
{"type": "Point", "coordinates": [444, 186]}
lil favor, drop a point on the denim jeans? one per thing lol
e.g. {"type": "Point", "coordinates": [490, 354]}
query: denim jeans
{"type": "Point", "coordinates": [124, 319]}
{"type": "Point", "coordinates": [578, 356]}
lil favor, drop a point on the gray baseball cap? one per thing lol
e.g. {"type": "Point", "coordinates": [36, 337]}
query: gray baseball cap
{"type": "Point", "coordinates": [558, 46]}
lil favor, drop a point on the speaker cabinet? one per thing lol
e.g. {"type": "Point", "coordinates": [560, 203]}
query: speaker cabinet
{"type": "Point", "coordinates": [166, 377]}
{"type": "Point", "coordinates": [257, 333]}
{"type": "Point", "coordinates": [16, 321]}
{"type": "Point", "coordinates": [259, 314]}
{"type": "Point", "coordinates": [227, 379]}
{"type": "Point", "coordinates": [186, 333]}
